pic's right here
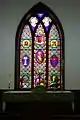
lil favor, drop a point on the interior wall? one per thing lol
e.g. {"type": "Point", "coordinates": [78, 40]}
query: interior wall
{"type": "Point", "coordinates": [11, 12]}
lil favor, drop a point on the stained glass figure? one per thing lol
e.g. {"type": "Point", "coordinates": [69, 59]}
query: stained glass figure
{"type": "Point", "coordinates": [40, 39]}
{"type": "Point", "coordinates": [39, 56]}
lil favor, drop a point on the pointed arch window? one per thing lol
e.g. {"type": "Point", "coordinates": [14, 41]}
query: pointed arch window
{"type": "Point", "coordinates": [39, 55]}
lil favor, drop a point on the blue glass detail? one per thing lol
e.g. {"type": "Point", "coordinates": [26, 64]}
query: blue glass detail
{"type": "Point", "coordinates": [25, 60]}
{"type": "Point", "coordinates": [54, 60]}
{"type": "Point", "coordinates": [47, 28]}
{"type": "Point", "coordinates": [40, 15]}
{"type": "Point", "coordinates": [32, 27]}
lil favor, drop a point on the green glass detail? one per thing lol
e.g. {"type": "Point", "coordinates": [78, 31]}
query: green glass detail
{"type": "Point", "coordinates": [54, 73]}
{"type": "Point", "coordinates": [26, 80]}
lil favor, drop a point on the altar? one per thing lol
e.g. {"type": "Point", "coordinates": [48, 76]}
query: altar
{"type": "Point", "coordinates": [30, 96]}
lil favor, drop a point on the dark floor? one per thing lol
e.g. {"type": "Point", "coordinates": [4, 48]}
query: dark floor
{"type": "Point", "coordinates": [42, 111]}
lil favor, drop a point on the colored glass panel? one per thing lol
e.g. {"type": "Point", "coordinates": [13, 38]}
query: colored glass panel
{"type": "Point", "coordinates": [25, 57]}
{"type": "Point", "coordinates": [26, 34]}
{"type": "Point", "coordinates": [54, 58]}
{"type": "Point", "coordinates": [39, 56]}
{"type": "Point", "coordinates": [33, 21]}
{"type": "Point", "coordinates": [40, 39]}
{"type": "Point", "coordinates": [40, 15]}
{"type": "Point", "coordinates": [46, 21]}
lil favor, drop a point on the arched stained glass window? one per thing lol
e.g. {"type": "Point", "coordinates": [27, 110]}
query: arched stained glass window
{"type": "Point", "coordinates": [39, 50]}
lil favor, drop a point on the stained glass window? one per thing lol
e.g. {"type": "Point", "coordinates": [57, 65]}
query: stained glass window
{"type": "Point", "coordinates": [39, 50]}
{"type": "Point", "coordinates": [25, 57]}
{"type": "Point", "coordinates": [54, 57]}
{"type": "Point", "coordinates": [39, 56]}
